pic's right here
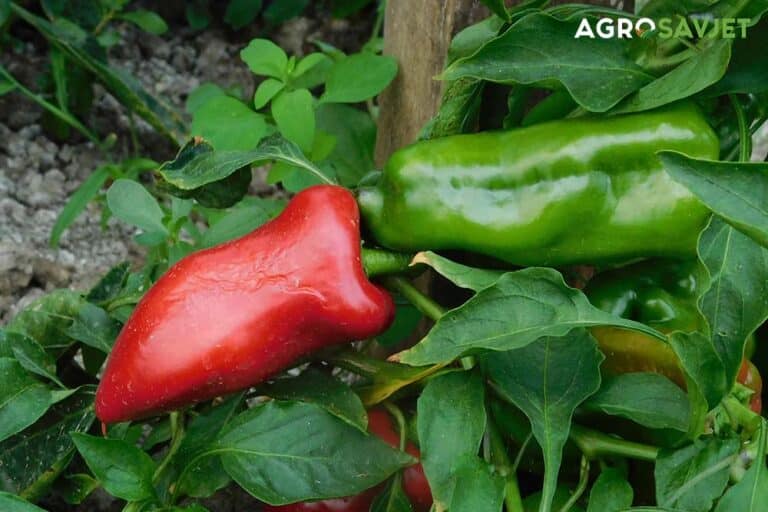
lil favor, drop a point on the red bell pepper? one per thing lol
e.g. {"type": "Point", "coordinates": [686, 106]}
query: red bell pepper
{"type": "Point", "coordinates": [749, 376]}
{"type": "Point", "coordinates": [415, 482]}
{"type": "Point", "coordinates": [229, 317]}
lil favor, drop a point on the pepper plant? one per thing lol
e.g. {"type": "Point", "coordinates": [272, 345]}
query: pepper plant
{"type": "Point", "coordinates": [598, 246]}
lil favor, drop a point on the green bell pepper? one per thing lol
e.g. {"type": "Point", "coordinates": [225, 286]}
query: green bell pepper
{"type": "Point", "coordinates": [585, 190]}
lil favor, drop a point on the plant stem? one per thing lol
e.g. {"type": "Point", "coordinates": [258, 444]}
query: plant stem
{"type": "Point", "coordinates": [741, 414]}
{"type": "Point", "coordinates": [400, 419]}
{"type": "Point", "coordinates": [745, 137]}
{"type": "Point", "coordinates": [594, 444]}
{"type": "Point", "coordinates": [500, 459]}
{"type": "Point", "coordinates": [378, 262]}
{"type": "Point", "coordinates": [426, 305]}
{"type": "Point", "coordinates": [177, 434]}
{"type": "Point", "coordinates": [53, 109]}
{"type": "Point", "coordinates": [583, 482]}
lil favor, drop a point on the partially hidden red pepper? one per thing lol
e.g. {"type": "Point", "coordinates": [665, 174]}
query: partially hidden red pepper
{"type": "Point", "coordinates": [415, 482]}
{"type": "Point", "coordinates": [226, 318]}
{"type": "Point", "coordinates": [749, 376]}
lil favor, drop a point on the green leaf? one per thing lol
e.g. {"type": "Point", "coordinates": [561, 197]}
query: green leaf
{"type": "Point", "coordinates": [294, 114]}
{"type": "Point", "coordinates": [311, 71]}
{"type": "Point", "coordinates": [451, 424]}
{"type": "Point", "coordinates": [198, 476]}
{"type": "Point", "coordinates": [541, 50]}
{"type": "Point", "coordinates": [266, 90]}
{"type": "Point", "coordinates": [649, 399]}
{"type": "Point", "coordinates": [393, 499]}
{"type": "Point", "coordinates": [130, 202]}
{"type": "Point", "coordinates": [12, 503]}
{"type": "Point", "coordinates": [47, 319]}
{"type": "Point", "coordinates": [287, 452]}
{"type": "Point", "coordinates": [322, 389]}
{"type": "Point", "coordinates": [737, 192]}
{"type": "Point", "coordinates": [498, 8]}
{"type": "Point", "coordinates": [745, 75]}
{"type": "Point", "coordinates": [228, 124]}
{"type": "Point", "coordinates": [359, 77]}
{"type": "Point", "coordinates": [124, 470]}
{"type": "Point", "coordinates": [32, 356]}
{"type": "Point", "coordinates": [203, 95]}
{"type": "Point", "coordinates": [79, 201]}
{"type": "Point", "coordinates": [94, 327]}
{"type": "Point", "coordinates": [243, 218]}
{"type": "Point", "coordinates": [459, 109]}
{"type": "Point", "coordinates": [751, 493]}
{"type": "Point", "coordinates": [111, 284]}
{"type": "Point", "coordinates": [74, 489]}
{"type": "Point", "coordinates": [470, 39]}
{"type": "Point", "coordinates": [147, 21]}
{"type": "Point", "coordinates": [124, 87]}
{"type": "Point", "coordinates": [610, 493]}
{"type": "Point", "coordinates": [475, 279]}
{"type": "Point", "coordinates": [264, 57]}
{"type": "Point", "coordinates": [692, 477]}
{"type": "Point", "coordinates": [23, 398]}
{"type": "Point", "coordinates": [547, 380]}
{"type": "Point", "coordinates": [240, 13]}
{"type": "Point", "coordinates": [735, 304]}
{"type": "Point", "coordinates": [691, 77]}
{"type": "Point", "coordinates": [198, 14]}
{"type": "Point", "coordinates": [385, 378]}
{"type": "Point", "coordinates": [355, 134]}
{"type": "Point", "coordinates": [34, 457]}
{"type": "Point", "coordinates": [284, 10]}
{"type": "Point", "coordinates": [518, 309]}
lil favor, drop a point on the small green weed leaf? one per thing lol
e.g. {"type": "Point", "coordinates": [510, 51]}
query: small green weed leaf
{"type": "Point", "coordinates": [148, 21]}
{"type": "Point", "coordinates": [123, 469]}
{"type": "Point", "coordinates": [294, 114]}
{"type": "Point", "coordinates": [354, 132]}
{"type": "Point", "coordinates": [241, 219]}
{"type": "Point", "coordinates": [648, 399]}
{"type": "Point", "coordinates": [266, 90]}
{"type": "Point", "coordinates": [264, 57]}
{"type": "Point", "coordinates": [515, 311]}
{"type": "Point", "coordinates": [202, 95]}
{"type": "Point", "coordinates": [692, 477]}
{"type": "Point", "coordinates": [241, 13]}
{"type": "Point", "coordinates": [228, 124]}
{"type": "Point", "coordinates": [130, 202]}
{"type": "Point", "coordinates": [78, 201]}
{"type": "Point", "coordinates": [547, 380]}
{"type": "Point", "coordinates": [283, 452]}
{"type": "Point", "coordinates": [359, 77]}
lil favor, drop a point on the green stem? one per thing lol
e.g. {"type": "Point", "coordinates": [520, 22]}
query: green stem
{"type": "Point", "coordinates": [512, 498]}
{"type": "Point", "coordinates": [400, 419]}
{"type": "Point", "coordinates": [741, 414]}
{"type": "Point", "coordinates": [752, 131]}
{"type": "Point", "coordinates": [177, 435]}
{"type": "Point", "coordinates": [594, 444]}
{"type": "Point", "coordinates": [582, 486]}
{"type": "Point", "coordinates": [426, 305]}
{"type": "Point", "coordinates": [42, 484]}
{"type": "Point", "coordinates": [64, 116]}
{"type": "Point", "coordinates": [377, 262]}
{"type": "Point", "coordinates": [745, 138]}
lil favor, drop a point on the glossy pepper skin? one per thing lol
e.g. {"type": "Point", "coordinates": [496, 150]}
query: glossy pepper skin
{"type": "Point", "coordinates": [415, 482]}
{"type": "Point", "coordinates": [226, 318]}
{"type": "Point", "coordinates": [563, 192]}
{"type": "Point", "coordinates": [662, 295]}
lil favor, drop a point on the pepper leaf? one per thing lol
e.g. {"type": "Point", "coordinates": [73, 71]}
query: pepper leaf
{"type": "Point", "coordinates": [122, 468]}
{"type": "Point", "coordinates": [737, 192]}
{"type": "Point", "coordinates": [283, 452]}
{"type": "Point", "coordinates": [47, 319]}
{"type": "Point", "coordinates": [324, 390]}
{"type": "Point", "coordinates": [475, 279]}
{"type": "Point", "coordinates": [751, 493]}
{"type": "Point", "coordinates": [393, 499]}
{"type": "Point", "coordinates": [452, 407]}
{"type": "Point", "coordinates": [610, 493]}
{"type": "Point", "coordinates": [649, 399]}
{"type": "Point", "coordinates": [43, 450]}
{"type": "Point", "coordinates": [12, 503]}
{"type": "Point", "coordinates": [518, 309]}
{"type": "Point", "coordinates": [692, 477]}
{"type": "Point", "coordinates": [547, 380]}
{"type": "Point", "coordinates": [540, 49]}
